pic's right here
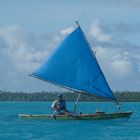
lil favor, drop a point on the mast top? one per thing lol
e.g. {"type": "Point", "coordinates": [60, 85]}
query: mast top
{"type": "Point", "coordinates": [77, 23]}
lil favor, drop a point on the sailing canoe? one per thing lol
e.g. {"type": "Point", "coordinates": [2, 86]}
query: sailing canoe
{"type": "Point", "coordinates": [95, 116]}
{"type": "Point", "coordinates": [73, 65]}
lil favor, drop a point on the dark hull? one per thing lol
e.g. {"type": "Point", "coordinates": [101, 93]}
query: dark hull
{"type": "Point", "coordinates": [95, 116]}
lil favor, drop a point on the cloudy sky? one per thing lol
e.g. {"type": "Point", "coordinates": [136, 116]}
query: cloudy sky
{"type": "Point", "coordinates": [31, 29]}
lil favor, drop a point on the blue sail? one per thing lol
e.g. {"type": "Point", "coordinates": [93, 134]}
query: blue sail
{"type": "Point", "coordinates": [73, 65]}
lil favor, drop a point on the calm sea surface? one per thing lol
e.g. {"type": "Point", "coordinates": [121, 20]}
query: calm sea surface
{"type": "Point", "coordinates": [13, 128]}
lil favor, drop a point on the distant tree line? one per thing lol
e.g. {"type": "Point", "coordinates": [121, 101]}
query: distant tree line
{"type": "Point", "coordinates": [124, 96]}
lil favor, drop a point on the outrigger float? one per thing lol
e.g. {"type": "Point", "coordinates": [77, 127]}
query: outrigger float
{"type": "Point", "coordinates": [73, 65]}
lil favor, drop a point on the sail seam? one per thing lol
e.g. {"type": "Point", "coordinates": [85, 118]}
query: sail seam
{"type": "Point", "coordinates": [100, 90]}
{"type": "Point", "coordinates": [96, 77]}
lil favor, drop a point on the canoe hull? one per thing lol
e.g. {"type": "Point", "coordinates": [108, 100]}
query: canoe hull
{"type": "Point", "coordinates": [95, 116]}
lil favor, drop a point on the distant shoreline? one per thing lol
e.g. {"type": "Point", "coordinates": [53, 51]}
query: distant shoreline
{"type": "Point", "coordinates": [123, 96]}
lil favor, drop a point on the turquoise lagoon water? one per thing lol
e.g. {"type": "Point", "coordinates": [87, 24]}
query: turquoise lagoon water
{"type": "Point", "coordinates": [13, 128]}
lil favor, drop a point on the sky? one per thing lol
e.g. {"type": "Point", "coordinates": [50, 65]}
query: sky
{"type": "Point", "coordinates": [31, 29]}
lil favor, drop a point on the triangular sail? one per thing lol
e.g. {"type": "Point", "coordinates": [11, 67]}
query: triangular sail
{"type": "Point", "coordinates": [73, 65]}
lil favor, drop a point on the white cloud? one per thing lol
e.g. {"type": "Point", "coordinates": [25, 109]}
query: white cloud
{"type": "Point", "coordinates": [121, 68]}
{"type": "Point", "coordinates": [66, 31]}
{"type": "Point", "coordinates": [115, 62]}
{"type": "Point", "coordinates": [21, 53]}
{"type": "Point", "coordinates": [23, 49]}
{"type": "Point", "coordinates": [97, 32]}
{"type": "Point", "coordinates": [119, 59]}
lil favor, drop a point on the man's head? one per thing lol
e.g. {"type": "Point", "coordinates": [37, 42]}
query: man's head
{"type": "Point", "coordinates": [60, 97]}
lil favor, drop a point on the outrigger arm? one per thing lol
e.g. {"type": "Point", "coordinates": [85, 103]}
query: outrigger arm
{"type": "Point", "coordinates": [75, 106]}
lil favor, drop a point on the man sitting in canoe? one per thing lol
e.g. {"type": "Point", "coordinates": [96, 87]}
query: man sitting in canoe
{"type": "Point", "coordinates": [59, 105]}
